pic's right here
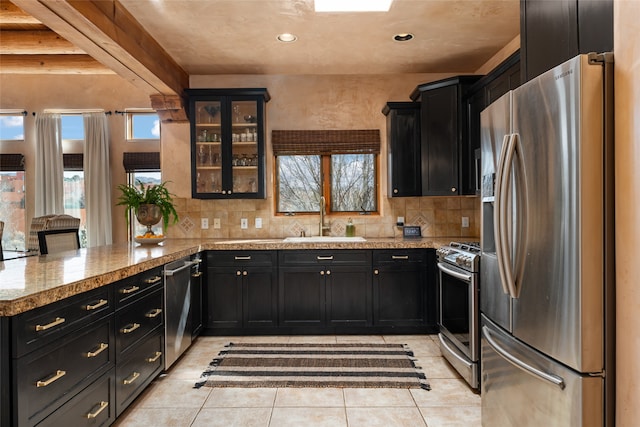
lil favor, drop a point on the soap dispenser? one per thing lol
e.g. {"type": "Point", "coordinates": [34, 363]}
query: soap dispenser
{"type": "Point", "coordinates": [351, 229]}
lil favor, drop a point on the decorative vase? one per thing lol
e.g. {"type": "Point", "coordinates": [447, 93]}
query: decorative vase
{"type": "Point", "coordinates": [149, 215]}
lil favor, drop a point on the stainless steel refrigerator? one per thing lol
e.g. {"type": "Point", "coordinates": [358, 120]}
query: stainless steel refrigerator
{"type": "Point", "coordinates": [546, 278]}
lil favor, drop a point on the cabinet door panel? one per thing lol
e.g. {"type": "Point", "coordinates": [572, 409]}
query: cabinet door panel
{"type": "Point", "coordinates": [260, 298]}
{"type": "Point", "coordinates": [348, 296]}
{"type": "Point", "coordinates": [398, 296]}
{"type": "Point", "coordinates": [403, 154]}
{"type": "Point", "coordinates": [440, 141]}
{"type": "Point", "coordinates": [301, 297]}
{"type": "Point", "coordinates": [224, 297]}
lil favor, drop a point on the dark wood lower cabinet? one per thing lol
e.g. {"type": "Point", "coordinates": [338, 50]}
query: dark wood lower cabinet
{"type": "Point", "coordinates": [321, 291]}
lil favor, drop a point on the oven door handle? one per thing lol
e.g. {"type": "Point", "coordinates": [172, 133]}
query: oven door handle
{"type": "Point", "coordinates": [462, 276]}
{"type": "Point", "coordinates": [453, 352]}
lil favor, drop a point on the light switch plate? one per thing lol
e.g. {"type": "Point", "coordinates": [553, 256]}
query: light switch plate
{"type": "Point", "coordinates": [258, 222]}
{"type": "Point", "coordinates": [204, 223]}
{"type": "Point", "coordinates": [216, 222]}
{"type": "Point", "coordinates": [244, 223]}
{"type": "Point", "coordinates": [465, 222]}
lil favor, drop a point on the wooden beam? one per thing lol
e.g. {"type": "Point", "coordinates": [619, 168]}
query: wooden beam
{"type": "Point", "coordinates": [12, 14]}
{"type": "Point", "coordinates": [51, 64]}
{"type": "Point", "coordinates": [106, 31]}
{"type": "Point", "coordinates": [170, 108]}
{"type": "Point", "coordinates": [36, 43]}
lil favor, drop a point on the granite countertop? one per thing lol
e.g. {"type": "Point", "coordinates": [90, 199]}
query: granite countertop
{"type": "Point", "coordinates": [31, 282]}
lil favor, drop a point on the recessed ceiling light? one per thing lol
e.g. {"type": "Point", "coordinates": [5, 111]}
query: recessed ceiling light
{"type": "Point", "coordinates": [403, 37]}
{"type": "Point", "coordinates": [352, 5]}
{"type": "Point", "coordinates": [287, 37]}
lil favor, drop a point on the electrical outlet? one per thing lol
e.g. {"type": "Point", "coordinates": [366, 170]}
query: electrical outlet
{"type": "Point", "coordinates": [465, 222]}
{"type": "Point", "coordinates": [204, 223]}
{"type": "Point", "coordinates": [258, 222]}
{"type": "Point", "coordinates": [244, 223]}
{"type": "Point", "coordinates": [216, 222]}
{"type": "Point", "coordinates": [400, 221]}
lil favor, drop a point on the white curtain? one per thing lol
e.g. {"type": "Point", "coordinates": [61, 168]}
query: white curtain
{"type": "Point", "coordinates": [49, 189]}
{"type": "Point", "coordinates": [97, 179]}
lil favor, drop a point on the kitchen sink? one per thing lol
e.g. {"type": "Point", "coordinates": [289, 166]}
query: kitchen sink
{"type": "Point", "coordinates": [322, 239]}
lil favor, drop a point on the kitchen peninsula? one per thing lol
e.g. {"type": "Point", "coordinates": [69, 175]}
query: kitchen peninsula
{"type": "Point", "coordinates": [82, 332]}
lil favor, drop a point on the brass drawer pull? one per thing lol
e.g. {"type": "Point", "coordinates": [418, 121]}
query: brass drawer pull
{"type": "Point", "coordinates": [242, 258]}
{"type": "Point", "coordinates": [59, 374]}
{"type": "Point", "coordinates": [153, 313]}
{"type": "Point", "coordinates": [325, 258]}
{"type": "Point", "coordinates": [128, 329]}
{"type": "Point", "coordinates": [129, 290]}
{"type": "Point", "coordinates": [152, 280]}
{"type": "Point", "coordinates": [399, 256]}
{"type": "Point", "coordinates": [58, 321]}
{"type": "Point", "coordinates": [102, 347]}
{"type": "Point", "coordinates": [99, 304]}
{"type": "Point", "coordinates": [155, 357]}
{"type": "Point", "coordinates": [198, 274]}
{"type": "Point", "coordinates": [131, 379]}
{"type": "Point", "coordinates": [376, 271]}
{"type": "Point", "coordinates": [103, 406]}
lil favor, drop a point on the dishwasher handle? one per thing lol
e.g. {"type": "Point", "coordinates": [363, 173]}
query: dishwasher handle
{"type": "Point", "coordinates": [187, 264]}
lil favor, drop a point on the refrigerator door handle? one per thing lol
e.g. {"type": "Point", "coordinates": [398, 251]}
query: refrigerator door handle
{"type": "Point", "coordinates": [523, 210]}
{"type": "Point", "coordinates": [503, 246]}
{"type": "Point", "coordinates": [497, 215]}
{"type": "Point", "coordinates": [553, 379]}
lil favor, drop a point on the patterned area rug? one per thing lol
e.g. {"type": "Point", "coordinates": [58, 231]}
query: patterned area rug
{"type": "Point", "coordinates": [314, 365]}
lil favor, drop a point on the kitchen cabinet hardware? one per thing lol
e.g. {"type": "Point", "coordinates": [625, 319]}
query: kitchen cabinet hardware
{"type": "Point", "coordinates": [399, 256]}
{"type": "Point", "coordinates": [129, 290]}
{"type": "Point", "coordinates": [243, 258]}
{"type": "Point", "coordinates": [102, 347]}
{"type": "Point", "coordinates": [324, 258]}
{"type": "Point", "coordinates": [153, 313]}
{"type": "Point", "coordinates": [97, 305]}
{"type": "Point", "coordinates": [130, 328]}
{"type": "Point", "coordinates": [152, 280]}
{"type": "Point", "coordinates": [131, 379]}
{"type": "Point", "coordinates": [55, 377]}
{"type": "Point", "coordinates": [198, 274]}
{"type": "Point", "coordinates": [155, 357]}
{"type": "Point", "coordinates": [58, 321]}
{"type": "Point", "coordinates": [101, 407]}
{"type": "Point", "coordinates": [244, 273]}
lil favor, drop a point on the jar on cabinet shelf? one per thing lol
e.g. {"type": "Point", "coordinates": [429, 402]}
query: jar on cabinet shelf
{"type": "Point", "coordinates": [227, 143]}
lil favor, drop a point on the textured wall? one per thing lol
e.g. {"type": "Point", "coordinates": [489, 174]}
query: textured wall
{"type": "Point", "coordinates": [627, 111]}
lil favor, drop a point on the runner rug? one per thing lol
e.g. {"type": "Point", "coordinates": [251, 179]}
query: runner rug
{"type": "Point", "coordinates": [314, 365]}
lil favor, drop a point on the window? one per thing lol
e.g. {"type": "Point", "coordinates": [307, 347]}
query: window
{"type": "Point", "coordinates": [339, 165]}
{"type": "Point", "coordinates": [72, 127]}
{"type": "Point", "coordinates": [73, 189]}
{"type": "Point", "coordinates": [142, 168]}
{"type": "Point", "coordinates": [142, 125]}
{"type": "Point", "coordinates": [11, 125]}
{"type": "Point", "coordinates": [12, 205]}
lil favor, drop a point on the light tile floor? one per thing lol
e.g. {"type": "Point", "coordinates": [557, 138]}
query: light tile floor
{"type": "Point", "coordinates": [172, 401]}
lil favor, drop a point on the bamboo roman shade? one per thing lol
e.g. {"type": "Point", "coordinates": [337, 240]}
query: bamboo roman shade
{"type": "Point", "coordinates": [73, 161]}
{"type": "Point", "coordinates": [141, 162]}
{"type": "Point", "coordinates": [318, 142]}
{"type": "Point", "coordinates": [11, 162]}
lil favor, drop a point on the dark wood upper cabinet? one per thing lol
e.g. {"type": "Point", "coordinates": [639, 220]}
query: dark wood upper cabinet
{"type": "Point", "coordinates": [444, 134]}
{"type": "Point", "coordinates": [403, 149]}
{"type": "Point", "coordinates": [553, 32]}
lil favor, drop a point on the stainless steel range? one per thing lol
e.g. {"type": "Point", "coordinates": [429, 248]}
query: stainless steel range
{"type": "Point", "coordinates": [459, 322]}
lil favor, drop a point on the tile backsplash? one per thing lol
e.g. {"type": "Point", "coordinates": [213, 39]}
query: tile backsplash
{"type": "Point", "coordinates": [436, 216]}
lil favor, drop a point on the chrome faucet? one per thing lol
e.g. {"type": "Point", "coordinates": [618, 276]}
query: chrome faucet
{"type": "Point", "coordinates": [322, 227]}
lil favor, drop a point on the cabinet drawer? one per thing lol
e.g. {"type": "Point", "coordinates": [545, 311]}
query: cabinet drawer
{"type": "Point", "coordinates": [234, 258]}
{"type": "Point", "coordinates": [93, 406]}
{"type": "Point", "coordinates": [136, 371]}
{"type": "Point", "coordinates": [35, 328]}
{"type": "Point", "coordinates": [399, 256]}
{"type": "Point", "coordinates": [129, 290]}
{"type": "Point", "coordinates": [51, 375]}
{"type": "Point", "coordinates": [137, 320]}
{"type": "Point", "coordinates": [324, 257]}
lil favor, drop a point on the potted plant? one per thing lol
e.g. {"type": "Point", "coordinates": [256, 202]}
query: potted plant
{"type": "Point", "coordinates": [150, 204]}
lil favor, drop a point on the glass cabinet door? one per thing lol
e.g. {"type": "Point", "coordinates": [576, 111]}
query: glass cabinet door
{"type": "Point", "coordinates": [244, 146]}
{"type": "Point", "coordinates": [208, 144]}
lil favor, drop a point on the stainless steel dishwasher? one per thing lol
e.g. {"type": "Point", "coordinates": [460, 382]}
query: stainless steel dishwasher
{"type": "Point", "coordinates": [177, 309]}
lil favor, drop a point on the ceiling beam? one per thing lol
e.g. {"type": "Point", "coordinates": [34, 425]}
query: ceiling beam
{"type": "Point", "coordinates": [52, 64]}
{"type": "Point", "coordinates": [41, 42]}
{"type": "Point", "coordinates": [105, 30]}
{"type": "Point", "coordinates": [12, 14]}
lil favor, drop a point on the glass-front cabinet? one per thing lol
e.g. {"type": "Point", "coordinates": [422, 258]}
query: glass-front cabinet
{"type": "Point", "coordinates": [227, 143]}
